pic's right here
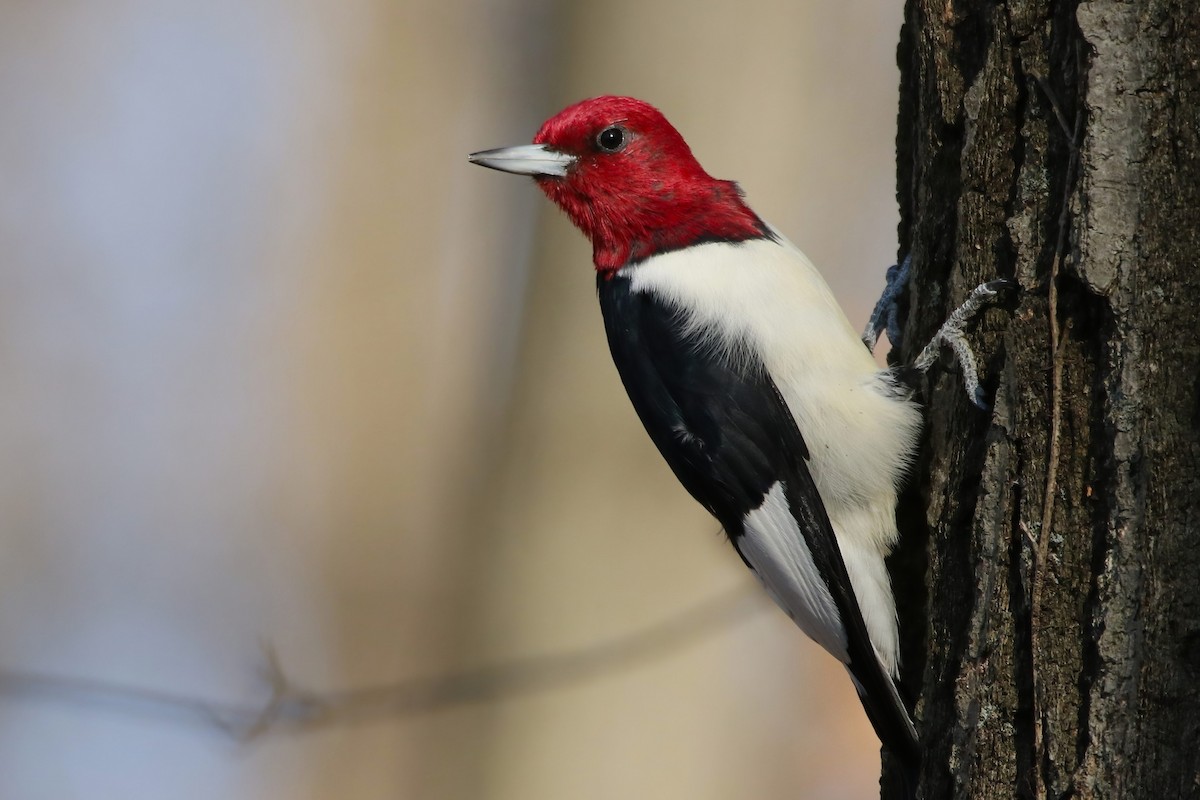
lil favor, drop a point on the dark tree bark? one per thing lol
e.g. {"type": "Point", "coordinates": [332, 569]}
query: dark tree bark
{"type": "Point", "coordinates": [1054, 643]}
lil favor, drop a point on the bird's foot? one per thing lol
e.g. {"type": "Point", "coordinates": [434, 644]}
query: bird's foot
{"type": "Point", "coordinates": [951, 335]}
{"type": "Point", "coordinates": [886, 316]}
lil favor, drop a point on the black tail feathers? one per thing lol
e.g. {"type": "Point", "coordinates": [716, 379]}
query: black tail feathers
{"type": "Point", "coordinates": [894, 727]}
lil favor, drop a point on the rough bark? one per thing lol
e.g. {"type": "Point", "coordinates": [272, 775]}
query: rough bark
{"type": "Point", "coordinates": [1054, 644]}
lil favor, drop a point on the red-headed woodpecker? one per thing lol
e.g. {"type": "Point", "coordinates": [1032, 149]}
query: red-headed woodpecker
{"type": "Point", "coordinates": [747, 376]}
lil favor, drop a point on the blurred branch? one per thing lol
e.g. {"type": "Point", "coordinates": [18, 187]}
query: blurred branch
{"type": "Point", "coordinates": [292, 709]}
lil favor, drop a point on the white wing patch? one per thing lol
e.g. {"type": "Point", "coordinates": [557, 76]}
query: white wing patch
{"type": "Point", "coordinates": [775, 547]}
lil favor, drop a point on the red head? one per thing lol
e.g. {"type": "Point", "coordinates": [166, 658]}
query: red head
{"type": "Point", "coordinates": [629, 181]}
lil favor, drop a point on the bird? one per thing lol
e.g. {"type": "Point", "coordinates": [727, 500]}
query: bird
{"type": "Point", "coordinates": [747, 376]}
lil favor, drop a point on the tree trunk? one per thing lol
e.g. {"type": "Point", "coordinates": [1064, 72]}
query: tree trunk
{"type": "Point", "coordinates": [1054, 642]}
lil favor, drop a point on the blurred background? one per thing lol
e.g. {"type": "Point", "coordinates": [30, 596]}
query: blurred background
{"type": "Point", "coordinates": [282, 373]}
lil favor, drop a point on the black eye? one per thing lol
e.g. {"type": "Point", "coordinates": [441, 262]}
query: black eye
{"type": "Point", "coordinates": [611, 139]}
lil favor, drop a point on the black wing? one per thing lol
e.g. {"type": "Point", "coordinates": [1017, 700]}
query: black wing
{"type": "Point", "coordinates": [729, 437]}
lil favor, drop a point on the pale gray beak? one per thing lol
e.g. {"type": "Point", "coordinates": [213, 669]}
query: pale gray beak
{"type": "Point", "coordinates": [537, 160]}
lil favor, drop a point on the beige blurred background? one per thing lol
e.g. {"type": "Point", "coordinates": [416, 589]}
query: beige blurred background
{"type": "Point", "coordinates": [279, 366]}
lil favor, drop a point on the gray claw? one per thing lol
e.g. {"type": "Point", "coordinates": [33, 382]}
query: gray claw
{"type": "Point", "coordinates": [951, 334]}
{"type": "Point", "coordinates": [886, 315]}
